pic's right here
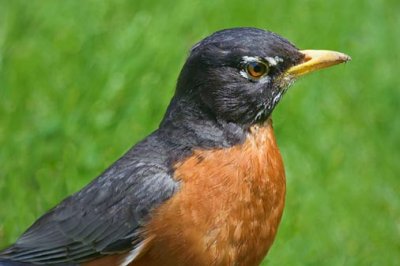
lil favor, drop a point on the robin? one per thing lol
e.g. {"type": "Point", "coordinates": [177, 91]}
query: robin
{"type": "Point", "coordinates": [207, 187]}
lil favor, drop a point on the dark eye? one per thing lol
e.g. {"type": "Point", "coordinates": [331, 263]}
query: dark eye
{"type": "Point", "coordinates": [256, 69]}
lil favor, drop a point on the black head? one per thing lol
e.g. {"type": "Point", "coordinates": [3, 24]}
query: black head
{"type": "Point", "coordinates": [234, 79]}
{"type": "Point", "coordinates": [238, 74]}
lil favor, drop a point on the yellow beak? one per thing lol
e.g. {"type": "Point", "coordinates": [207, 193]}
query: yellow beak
{"type": "Point", "coordinates": [317, 59]}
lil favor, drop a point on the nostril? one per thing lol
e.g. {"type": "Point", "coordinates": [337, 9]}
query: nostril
{"type": "Point", "coordinates": [307, 58]}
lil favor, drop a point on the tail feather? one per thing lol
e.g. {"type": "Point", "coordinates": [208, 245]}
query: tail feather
{"type": "Point", "coordinates": [8, 257]}
{"type": "Point", "coordinates": [7, 262]}
{"type": "Point", "coordinates": [4, 262]}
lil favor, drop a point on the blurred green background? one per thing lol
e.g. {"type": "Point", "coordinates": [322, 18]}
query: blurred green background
{"type": "Point", "coordinates": [82, 81]}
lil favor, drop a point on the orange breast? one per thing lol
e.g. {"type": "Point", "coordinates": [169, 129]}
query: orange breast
{"type": "Point", "coordinates": [228, 209]}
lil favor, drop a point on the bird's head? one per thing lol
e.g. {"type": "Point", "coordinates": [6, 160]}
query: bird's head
{"type": "Point", "coordinates": [240, 74]}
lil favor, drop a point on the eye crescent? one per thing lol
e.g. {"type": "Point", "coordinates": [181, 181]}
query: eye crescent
{"type": "Point", "coordinates": [256, 69]}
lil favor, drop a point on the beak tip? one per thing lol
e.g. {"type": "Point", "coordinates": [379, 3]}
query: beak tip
{"type": "Point", "coordinates": [346, 58]}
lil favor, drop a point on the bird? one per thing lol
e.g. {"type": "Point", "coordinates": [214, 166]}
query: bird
{"type": "Point", "coordinates": [207, 187]}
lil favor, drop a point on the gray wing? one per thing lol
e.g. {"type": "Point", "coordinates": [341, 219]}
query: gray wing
{"type": "Point", "coordinates": [105, 217]}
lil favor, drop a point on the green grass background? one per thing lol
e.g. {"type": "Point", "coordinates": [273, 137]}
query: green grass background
{"type": "Point", "coordinates": [82, 81]}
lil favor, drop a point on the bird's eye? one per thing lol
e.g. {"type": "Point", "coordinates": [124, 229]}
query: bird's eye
{"type": "Point", "coordinates": [256, 69]}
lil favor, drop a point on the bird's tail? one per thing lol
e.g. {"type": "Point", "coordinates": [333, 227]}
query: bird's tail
{"type": "Point", "coordinates": [5, 262]}
{"type": "Point", "coordinates": [7, 259]}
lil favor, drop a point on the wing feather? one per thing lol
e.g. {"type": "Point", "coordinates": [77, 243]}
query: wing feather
{"type": "Point", "coordinates": [105, 217]}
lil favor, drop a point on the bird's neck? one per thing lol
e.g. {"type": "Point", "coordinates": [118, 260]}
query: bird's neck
{"type": "Point", "coordinates": [189, 124]}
